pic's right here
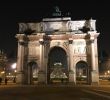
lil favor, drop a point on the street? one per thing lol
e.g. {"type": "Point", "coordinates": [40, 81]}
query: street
{"type": "Point", "coordinates": [14, 92]}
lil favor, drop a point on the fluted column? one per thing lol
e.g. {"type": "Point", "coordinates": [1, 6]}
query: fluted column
{"type": "Point", "coordinates": [42, 70]}
{"type": "Point", "coordinates": [94, 71]}
{"type": "Point", "coordinates": [92, 55]}
{"type": "Point", "coordinates": [71, 69]}
{"type": "Point", "coordinates": [20, 63]}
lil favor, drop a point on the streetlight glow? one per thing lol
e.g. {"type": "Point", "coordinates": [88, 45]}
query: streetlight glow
{"type": "Point", "coordinates": [2, 72]}
{"type": "Point", "coordinates": [14, 66]}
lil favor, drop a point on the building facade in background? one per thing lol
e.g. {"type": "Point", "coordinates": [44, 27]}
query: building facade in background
{"type": "Point", "coordinates": [57, 50]}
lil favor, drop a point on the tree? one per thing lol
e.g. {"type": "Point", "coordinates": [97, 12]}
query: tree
{"type": "Point", "coordinates": [3, 60]}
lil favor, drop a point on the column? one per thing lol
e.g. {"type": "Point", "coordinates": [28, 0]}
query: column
{"type": "Point", "coordinates": [20, 62]}
{"type": "Point", "coordinates": [42, 70]}
{"type": "Point", "coordinates": [71, 69]}
{"type": "Point", "coordinates": [94, 71]}
{"type": "Point", "coordinates": [92, 55]}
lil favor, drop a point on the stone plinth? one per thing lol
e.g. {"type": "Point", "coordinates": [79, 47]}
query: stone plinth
{"type": "Point", "coordinates": [20, 78]}
{"type": "Point", "coordinates": [42, 77]}
{"type": "Point", "coordinates": [94, 78]}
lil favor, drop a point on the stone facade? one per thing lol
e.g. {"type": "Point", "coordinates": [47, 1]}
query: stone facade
{"type": "Point", "coordinates": [75, 38]}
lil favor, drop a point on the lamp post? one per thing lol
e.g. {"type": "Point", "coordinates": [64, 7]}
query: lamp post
{"type": "Point", "coordinates": [14, 68]}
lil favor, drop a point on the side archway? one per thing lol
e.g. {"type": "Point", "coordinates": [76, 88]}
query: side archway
{"type": "Point", "coordinates": [32, 72]}
{"type": "Point", "coordinates": [82, 73]}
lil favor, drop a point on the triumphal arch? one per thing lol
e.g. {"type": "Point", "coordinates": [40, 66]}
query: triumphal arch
{"type": "Point", "coordinates": [57, 50]}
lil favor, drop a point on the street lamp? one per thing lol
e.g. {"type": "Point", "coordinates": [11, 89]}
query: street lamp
{"type": "Point", "coordinates": [14, 67]}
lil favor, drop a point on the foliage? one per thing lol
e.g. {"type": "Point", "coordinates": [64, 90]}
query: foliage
{"type": "Point", "coordinates": [3, 60]}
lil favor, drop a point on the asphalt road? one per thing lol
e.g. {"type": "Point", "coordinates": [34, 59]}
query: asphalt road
{"type": "Point", "coordinates": [13, 92]}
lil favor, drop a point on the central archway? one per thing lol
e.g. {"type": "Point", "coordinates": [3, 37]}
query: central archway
{"type": "Point", "coordinates": [57, 71]}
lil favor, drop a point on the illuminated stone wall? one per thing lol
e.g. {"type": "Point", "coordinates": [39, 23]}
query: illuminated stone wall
{"type": "Point", "coordinates": [57, 32]}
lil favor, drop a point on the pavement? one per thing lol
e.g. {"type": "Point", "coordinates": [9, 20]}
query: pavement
{"type": "Point", "coordinates": [13, 91]}
{"type": "Point", "coordinates": [53, 92]}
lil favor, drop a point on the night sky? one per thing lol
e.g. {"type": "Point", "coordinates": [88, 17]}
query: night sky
{"type": "Point", "coordinates": [12, 13]}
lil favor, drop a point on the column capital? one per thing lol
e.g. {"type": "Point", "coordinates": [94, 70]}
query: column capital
{"type": "Point", "coordinates": [70, 40]}
{"type": "Point", "coordinates": [91, 40]}
{"type": "Point", "coordinates": [23, 43]}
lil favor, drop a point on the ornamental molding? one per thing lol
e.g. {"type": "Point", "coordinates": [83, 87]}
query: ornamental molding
{"type": "Point", "coordinates": [33, 57]}
{"type": "Point", "coordinates": [34, 37]}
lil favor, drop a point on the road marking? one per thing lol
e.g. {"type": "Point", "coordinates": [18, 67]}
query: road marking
{"type": "Point", "coordinates": [91, 92]}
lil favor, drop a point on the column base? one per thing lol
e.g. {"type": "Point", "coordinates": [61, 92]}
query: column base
{"type": "Point", "coordinates": [94, 78]}
{"type": "Point", "coordinates": [41, 77]}
{"type": "Point", "coordinates": [72, 80]}
{"type": "Point", "coordinates": [20, 78]}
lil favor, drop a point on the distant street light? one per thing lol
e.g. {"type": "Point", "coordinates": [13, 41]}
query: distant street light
{"type": "Point", "coordinates": [14, 66]}
{"type": "Point", "coordinates": [15, 71]}
{"type": "Point", "coordinates": [105, 74]}
{"type": "Point", "coordinates": [108, 71]}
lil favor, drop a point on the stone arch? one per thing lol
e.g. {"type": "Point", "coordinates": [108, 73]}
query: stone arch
{"type": "Point", "coordinates": [57, 55]}
{"type": "Point", "coordinates": [60, 46]}
{"type": "Point", "coordinates": [82, 72]}
{"type": "Point", "coordinates": [32, 72]}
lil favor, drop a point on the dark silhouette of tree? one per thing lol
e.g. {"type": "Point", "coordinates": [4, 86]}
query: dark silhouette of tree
{"type": "Point", "coordinates": [3, 60]}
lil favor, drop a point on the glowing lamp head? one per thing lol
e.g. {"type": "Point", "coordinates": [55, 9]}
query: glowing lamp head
{"type": "Point", "coordinates": [14, 66]}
